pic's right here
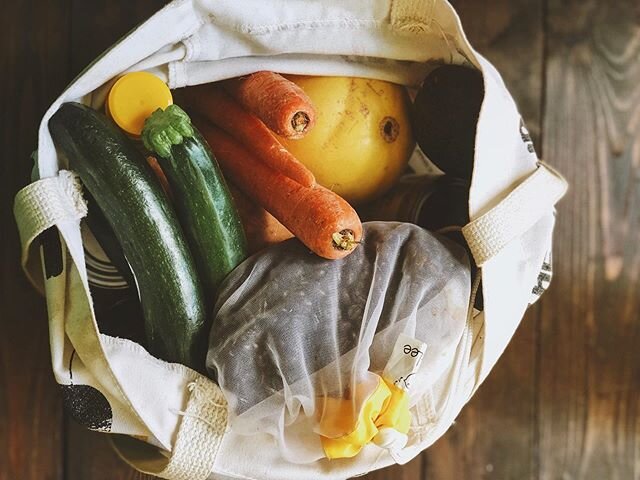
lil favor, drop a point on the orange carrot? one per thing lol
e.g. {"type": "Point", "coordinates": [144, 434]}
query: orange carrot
{"type": "Point", "coordinates": [262, 228]}
{"type": "Point", "coordinates": [279, 103]}
{"type": "Point", "coordinates": [219, 108]}
{"type": "Point", "coordinates": [162, 179]}
{"type": "Point", "coordinates": [322, 220]}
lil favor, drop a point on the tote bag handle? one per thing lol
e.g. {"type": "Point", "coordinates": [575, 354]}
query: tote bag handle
{"type": "Point", "coordinates": [513, 216]}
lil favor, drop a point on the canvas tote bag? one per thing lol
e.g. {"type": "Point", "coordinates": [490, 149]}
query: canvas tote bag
{"type": "Point", "coordinates": [168, 420]}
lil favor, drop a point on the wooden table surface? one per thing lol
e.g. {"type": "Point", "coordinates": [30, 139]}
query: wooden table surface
{"type": "Point", "coordinates": [564, 400]}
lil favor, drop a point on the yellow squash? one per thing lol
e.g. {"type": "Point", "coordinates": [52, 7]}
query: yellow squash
{"type": "Point", "coordinates": [362, 139]}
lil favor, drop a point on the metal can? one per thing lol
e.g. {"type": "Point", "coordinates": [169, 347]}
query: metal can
{"type": "Point", "coordinates": [434, 202]}
{"type": "Point", "coordinates": [447, 207]}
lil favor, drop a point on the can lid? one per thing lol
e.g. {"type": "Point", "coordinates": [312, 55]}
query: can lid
{"type": "Point", "coordinates": [134, 97]}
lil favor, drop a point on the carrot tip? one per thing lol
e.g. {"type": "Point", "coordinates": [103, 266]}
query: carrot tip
{"type": "Point", "coordinates": [300, 122]}
{"type": "Point", "coordinates": [344, 240]}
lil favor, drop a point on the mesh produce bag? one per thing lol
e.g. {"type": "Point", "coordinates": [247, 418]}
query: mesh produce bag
{"type": "Point", "coordinates": [300, 344]}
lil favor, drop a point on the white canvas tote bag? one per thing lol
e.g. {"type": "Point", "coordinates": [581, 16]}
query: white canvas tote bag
{"type": "Point", "coordinates": [172, 422]}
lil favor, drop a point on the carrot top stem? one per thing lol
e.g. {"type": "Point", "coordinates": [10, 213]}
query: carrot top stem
{"type": "Point", "coordinates": [300, 121]}
{"type": "Point", "coordinates": [344, 240]}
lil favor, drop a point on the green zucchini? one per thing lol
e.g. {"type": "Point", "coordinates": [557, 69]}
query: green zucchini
{"type": "Point", "coordinates": [202, 199]}
{"type": "Point", "coordinates": [122, 183]}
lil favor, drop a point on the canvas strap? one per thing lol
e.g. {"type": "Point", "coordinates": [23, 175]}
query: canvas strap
{"type": "Point", "coordinates": [413, 16]}
{"type": "Point", "coordinates": [197, 442]}
{"type": "Point", "coordinates": [535, 197]}
{"type": "Point", "coordinates": [42, 205]}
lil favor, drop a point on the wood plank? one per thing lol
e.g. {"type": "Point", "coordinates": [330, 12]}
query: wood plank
{"type": "Point", "coordinates": [495, 436]}
{"type": "Point", "coordinates": [34, 62]}
{"type": "Point", "coordinates": [590, 360]}
{"type": "Point", "coordinates": [97, 25]}
{"type": "Point", "coordinates": [410, 471]}
{"type": "Point", "coordinates": [90, 456]}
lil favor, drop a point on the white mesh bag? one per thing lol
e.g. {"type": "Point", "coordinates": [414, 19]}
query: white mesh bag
{"type": "Point", "coordinates": [172, 421]}
{"type": "Point", "coordinates": [299, 341]}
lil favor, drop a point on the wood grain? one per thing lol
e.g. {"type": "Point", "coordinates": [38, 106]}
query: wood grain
{"type": "Point", "coordinates": [89, 456]}
{"type": "Point", "coordinates": [590, 360]}
{"type": "Point", "coordinates": [34, 62]}
{"type": "Point", "coordinates": [98, 24]}
{"type": "Point", "coordinates": [495, 436]}
{"type": "Point", "coordinates": [410, 471]}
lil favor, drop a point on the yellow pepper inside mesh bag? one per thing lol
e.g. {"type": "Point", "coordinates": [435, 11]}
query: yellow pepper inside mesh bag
{"type": "Point", "coordinates": [328, 356]}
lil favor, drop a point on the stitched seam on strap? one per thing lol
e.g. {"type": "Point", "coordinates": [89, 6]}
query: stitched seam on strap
{"type": "Point", "coordinates": [413, 16]}
{"type": "Point", "coordinates": [45, 203]}
{"type": "Point", "coordinates": [200, 434]}
{"type": "Point", "coordinates": [347, 23]}
{"type": "Point", "coordinates": [514, 215]}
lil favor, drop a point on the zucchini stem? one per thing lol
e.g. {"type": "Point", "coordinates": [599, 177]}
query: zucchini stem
{"type": "Point", "coordinates": [166, 128]}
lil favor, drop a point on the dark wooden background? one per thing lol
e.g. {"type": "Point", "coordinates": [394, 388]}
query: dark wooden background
{"type": "Point", "coordinates": [564, 400]}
